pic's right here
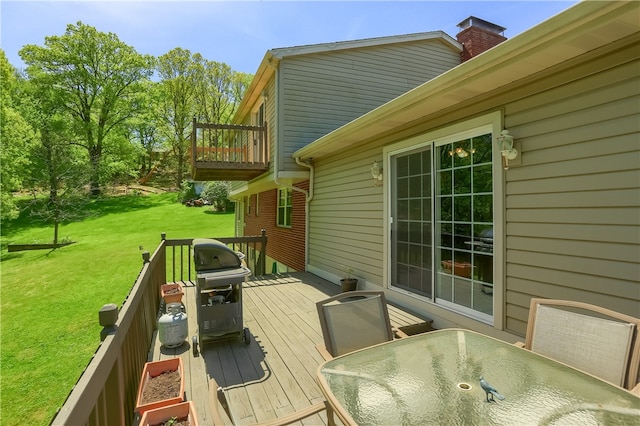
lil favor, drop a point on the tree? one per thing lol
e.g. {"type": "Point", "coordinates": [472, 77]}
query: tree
{"type": "Point", "coordinates": [97, 77]}
{"type": "Point", "coordinates": [145, 131]}
{"type": "Point", "coordinates": [17, 136]}
{"type": "Point", "coordinates": [56, 164]}
{"type": "Point", "coordinates": [178, 77]}
{"type": "Point", "coordinates": [219, 91]}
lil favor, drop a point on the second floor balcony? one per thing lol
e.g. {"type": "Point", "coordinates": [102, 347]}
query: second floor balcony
{"type": "Point", "coordinates": [228, 151]}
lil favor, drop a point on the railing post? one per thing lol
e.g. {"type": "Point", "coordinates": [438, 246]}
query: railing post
{"type": "Point", "coordinates": [145, 257]}
{"type": "Point", "coordinates": [108, 317]}
{"type": "Point", "coordinates": [163, 236]}
{"type": "Point", "coordinates": [263, 252]}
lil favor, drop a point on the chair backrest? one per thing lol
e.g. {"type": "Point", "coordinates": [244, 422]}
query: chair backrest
{"type": "Point", "coordinates": [590, 338]}
{"type": "Point", "coordinates": [354, 320]}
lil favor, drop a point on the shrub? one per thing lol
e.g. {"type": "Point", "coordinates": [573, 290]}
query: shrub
{"type": "Point", "coordinates": [217, 193]}
{"type": "Point", "coordinates": [187, 191]}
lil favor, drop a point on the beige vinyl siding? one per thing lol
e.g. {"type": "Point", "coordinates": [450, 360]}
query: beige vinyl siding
{"type": "Point", "coordinates": [272, 122]}
{"type": "Point", "coordinates": [346, 223]}
{"type": "Point", "coordinates": [323, 91]}
{"type": "Point", "coordinates": [573, 207]}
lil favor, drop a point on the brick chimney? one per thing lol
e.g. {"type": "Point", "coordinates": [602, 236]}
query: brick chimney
{"type": "Point", "coordinates": [477, 36]}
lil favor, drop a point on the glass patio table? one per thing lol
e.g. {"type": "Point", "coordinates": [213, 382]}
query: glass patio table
{"type": "Point", "coordinates": [433, 378]}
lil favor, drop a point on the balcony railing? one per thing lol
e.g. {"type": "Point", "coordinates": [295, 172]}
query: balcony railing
{"type": "Point", "coordinates": [106, 392]}
{"type": "Point", "coordinates": [228, 151]}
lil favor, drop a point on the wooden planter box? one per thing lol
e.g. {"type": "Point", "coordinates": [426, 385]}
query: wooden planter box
{"type": "Point", "coordinates": [176, 411]}
{"type": "Point", "coordinates": [151, 371]}
{"type": "Point", "coordinates": [461, 269]}
{"type": "Point", "coordinates": [171, 293]}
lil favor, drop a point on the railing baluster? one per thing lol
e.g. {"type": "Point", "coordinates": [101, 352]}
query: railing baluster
{"type": "Point", "coordinates": [106, 393]}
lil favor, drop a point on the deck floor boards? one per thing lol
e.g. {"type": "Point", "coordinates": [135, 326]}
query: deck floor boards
{"type": "Point", "coordinates": [274, 375]}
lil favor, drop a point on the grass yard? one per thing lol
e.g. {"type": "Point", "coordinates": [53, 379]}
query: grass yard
{"type": "Point", "coordinates": [50, 299]}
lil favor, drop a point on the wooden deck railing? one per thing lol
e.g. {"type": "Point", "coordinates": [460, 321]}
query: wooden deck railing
{"type": "Point", "coordinates": [228, 151]}
{"type": "Point", "coordinates": [105, 394]}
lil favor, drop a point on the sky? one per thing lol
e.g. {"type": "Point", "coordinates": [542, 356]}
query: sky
{"type": "Point", "coordinates": [239, 33]}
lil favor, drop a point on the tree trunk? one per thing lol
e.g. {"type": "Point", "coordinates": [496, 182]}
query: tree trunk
{"type": "Point", "coordinates": [56, 225]}
{"type": "Point", "coordinates": [95, 155]}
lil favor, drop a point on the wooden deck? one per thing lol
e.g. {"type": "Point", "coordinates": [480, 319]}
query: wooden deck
{"type": "Point", "coordinates": [275, 374]}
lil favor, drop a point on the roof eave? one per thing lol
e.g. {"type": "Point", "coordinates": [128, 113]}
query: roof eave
{"type": "Point", "coordinates": [273, 57]}
{"type": "Point", "coordinates": [265, 71]}
{"type": "Point", "coordinates": [512, 60]}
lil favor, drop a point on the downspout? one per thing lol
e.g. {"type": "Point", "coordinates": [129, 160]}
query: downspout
{"type": "Point", "coordinates": [308, 198]}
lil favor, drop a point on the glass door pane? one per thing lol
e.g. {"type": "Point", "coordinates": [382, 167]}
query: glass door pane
{"type": "Point", "coordinates": [411, 227]}
{"type": "Point", "coordinates": [464, 225]}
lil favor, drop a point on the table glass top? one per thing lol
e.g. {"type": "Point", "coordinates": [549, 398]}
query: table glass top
{"type": "Point", "coordinates": [433, 378]}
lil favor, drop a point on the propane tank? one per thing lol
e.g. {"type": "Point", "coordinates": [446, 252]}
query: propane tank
{"type": "Point", "coordinates": [172, 326]}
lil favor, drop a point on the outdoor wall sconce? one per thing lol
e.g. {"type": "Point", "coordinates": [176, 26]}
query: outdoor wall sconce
{"type": "Point", "coordinates": [376, 172]}
{"type": "Point", "coordinates": [505, 144]}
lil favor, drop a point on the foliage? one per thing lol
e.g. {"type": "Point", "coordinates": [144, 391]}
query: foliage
{"type": "Point", "coordinates": [17, 136]}
{"type": "Point", "coordinates": [96, 78]}
{"type": "Point", "coordinates": [50, 299]}
{"type": "Point", "coordinates": [178, 107]}
{"type": "Point", "coordinates": [217, 193]}
{"type": "Point", "coordinates": [145, 132]}
{"type": "Point", "coordinates": [87, 96]}
{"type": "Point", "coordinates": [187, 191]}
{"type": "Point", "coordinates": [56, 164]}
{"type": "Point", "coordinates": [219, 90]}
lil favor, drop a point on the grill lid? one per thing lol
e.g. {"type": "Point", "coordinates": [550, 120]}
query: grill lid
{"type": "Point", "coordinates": [210, 254]}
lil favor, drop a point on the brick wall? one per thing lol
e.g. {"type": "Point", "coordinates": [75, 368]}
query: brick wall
{"type": "Point", "coordinates": [286, 245]}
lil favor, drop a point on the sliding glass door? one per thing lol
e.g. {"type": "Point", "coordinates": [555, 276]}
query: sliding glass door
{"type": "Point", "coordinates": [441, 230]}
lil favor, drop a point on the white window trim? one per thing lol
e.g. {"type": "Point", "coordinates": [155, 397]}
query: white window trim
{"type": "Point", "coordinates": [278, 208]}
{"type": "Point", "coordinates": [492, 122]}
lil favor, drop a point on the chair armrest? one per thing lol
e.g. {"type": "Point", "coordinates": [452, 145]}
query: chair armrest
{"type": "Point", "coordinates": [519, 344]}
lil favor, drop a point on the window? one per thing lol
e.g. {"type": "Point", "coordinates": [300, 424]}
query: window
{"type": "Point", "coordinates": [284, 207]}
{"type": "Point", "coordinates": [441, 223]}
{"type": "Point", "coordinates": [464, 223]}
{"type": "Point", "coordinates": [257, 204]}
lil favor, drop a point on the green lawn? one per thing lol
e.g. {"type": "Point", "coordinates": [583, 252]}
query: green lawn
{"type": "Point", "coordinates": [50, 299]}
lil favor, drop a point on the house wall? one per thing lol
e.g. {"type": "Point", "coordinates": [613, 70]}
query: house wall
{"type": "Point", "coordinates": [572, 205]}
{"type": "Point", "coordinates": [572, 208]}
{"type": "Point", "coordinates": [286, 245]}
{"type": "Point", "coordinates": [270, 117]}
{"type": "Point", "coordinates": [320, 92]}
{"type": "Point", "coordinates": [314, 94]}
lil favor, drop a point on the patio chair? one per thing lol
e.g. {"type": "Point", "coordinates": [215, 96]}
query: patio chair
{"type": "Point", "coordinates": [593, 339]}
{"type": "Point", "coordinates": [354, 320]}
{"type": "Point", "coordinates": [219, 404]}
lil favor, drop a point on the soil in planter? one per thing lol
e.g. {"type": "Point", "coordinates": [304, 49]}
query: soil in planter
{"type": "Point", "coordinates": [163, 386]}
{"type": "Point", "coordinates": [174, 290]}
{"type": "Point", "coordinates": [181, 421]}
